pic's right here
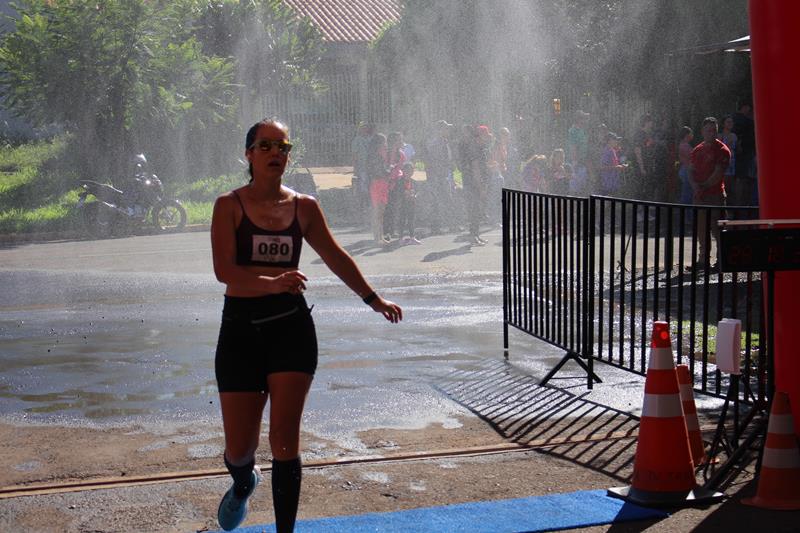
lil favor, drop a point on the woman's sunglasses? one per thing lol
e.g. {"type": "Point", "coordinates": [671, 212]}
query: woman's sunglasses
{"type": "Point", "coordinates": [265, 145]}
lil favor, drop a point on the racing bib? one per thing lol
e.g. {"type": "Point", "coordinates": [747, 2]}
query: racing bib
{"type": "Point", "coordinates": [272, 248]}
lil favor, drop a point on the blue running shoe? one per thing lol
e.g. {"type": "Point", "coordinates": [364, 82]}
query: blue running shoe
{"type": "Point", "coordinates": [232, 510]}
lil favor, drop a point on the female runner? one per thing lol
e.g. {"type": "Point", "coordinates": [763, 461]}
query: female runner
{"type": "Point", "coordinates": [267, 348]}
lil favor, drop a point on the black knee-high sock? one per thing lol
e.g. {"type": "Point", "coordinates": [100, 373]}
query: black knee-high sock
{"type": "Point", "coordinates": [286, 479]}
{"type": "Point", "coordinates": [242, 477]}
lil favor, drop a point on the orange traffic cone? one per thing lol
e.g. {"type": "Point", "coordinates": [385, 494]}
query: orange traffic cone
{"type": "Point", "coordinates": [778, 485]}
{"type": "Point", "coordinates": [663, 471]}
{"type": "Point", "coordinates": [690, 414]}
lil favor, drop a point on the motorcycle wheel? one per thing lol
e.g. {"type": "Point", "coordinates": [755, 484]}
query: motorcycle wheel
{"type": "Point", "coordinates": [169, 216]}
{"type": "Point", "coordinates": [97, 222]}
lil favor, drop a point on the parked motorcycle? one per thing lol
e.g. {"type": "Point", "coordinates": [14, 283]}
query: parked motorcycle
{"type": "Point", "coordinates": [142, 200]}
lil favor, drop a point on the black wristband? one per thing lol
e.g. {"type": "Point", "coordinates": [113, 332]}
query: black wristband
{"type": "Point", "coordinates": [371, 297]}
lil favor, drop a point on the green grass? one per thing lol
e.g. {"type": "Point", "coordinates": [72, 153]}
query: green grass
{"type": "Point", "coordinates": [21, 165]}
{"type": "Point", "coordinates": [34, 194]}
{"type": "Point", "coordinates": [198, 212]}
{"type": "Point", "coordinates": [30, 154]}
{"type": "Point", "coordinates": [13, 180]}
{"type": "Point", "coordinates": [37, 195]}
{"type": "Point", "coordinates": [712, 337]}
{"type": "Point", "coordinates": [207, 189]}
{"type": "Point", "coordinates": [49, 217]}
{"type": "Point", "coordinates": [711, 344]}
{"type": "Point", "coordinates": [198, 197]}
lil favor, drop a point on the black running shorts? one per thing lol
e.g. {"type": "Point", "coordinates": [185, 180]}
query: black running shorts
{"type": "Point", "coordinates": [263, 335]}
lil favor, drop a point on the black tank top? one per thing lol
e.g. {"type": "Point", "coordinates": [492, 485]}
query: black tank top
{"type": "Point", "coordinates": [262, 247]}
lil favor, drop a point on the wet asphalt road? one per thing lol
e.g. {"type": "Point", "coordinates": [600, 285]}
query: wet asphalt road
{"type": "Point", "coordinates": [125, 329]}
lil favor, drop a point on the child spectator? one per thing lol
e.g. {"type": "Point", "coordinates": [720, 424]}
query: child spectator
{"type": "Point", "coordinates": [378, 173]}
{"type": "Point", "coordinates": [396, 158]}
{"type": "Point", "coordinates": [534, 174]}
{"type": "Point", "coordinates": [407, 205]}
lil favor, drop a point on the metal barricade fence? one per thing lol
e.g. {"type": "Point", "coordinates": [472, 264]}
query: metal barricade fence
{"type": "Point", "coordinates": [591, 275]}
{"type": "Point", "coordinates": [545, 267]}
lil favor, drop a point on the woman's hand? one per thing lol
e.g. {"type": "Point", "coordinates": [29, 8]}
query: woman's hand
{"type": "Point", "coordinates": [390, 310]}
{"type": "Point", "coordinates": [292, 282]}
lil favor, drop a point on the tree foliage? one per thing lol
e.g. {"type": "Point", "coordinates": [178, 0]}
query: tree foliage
{"type": "Point", "coordinates": [584, 44]}
{"type": "Point", "coordinates": [276, 50]}
{"type": "Point", "coordinates": [165, 77]}
{"type": "Point", "coordinates": [121, 75]}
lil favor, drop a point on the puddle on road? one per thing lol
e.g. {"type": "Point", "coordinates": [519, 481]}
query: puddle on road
{"type": "Point", "coordinates": [154, 365]}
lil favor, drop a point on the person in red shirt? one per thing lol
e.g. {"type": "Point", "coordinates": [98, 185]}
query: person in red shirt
{"type": "Point", "coordinates": [709, 159]}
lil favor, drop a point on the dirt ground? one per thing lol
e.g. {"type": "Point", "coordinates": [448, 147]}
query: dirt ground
{"type": "Point", "coordinates": [30, 455]}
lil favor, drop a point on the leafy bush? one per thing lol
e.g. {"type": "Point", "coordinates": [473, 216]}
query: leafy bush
{"type": "Point", "coordinates": [207, 189]}
{"type": "Point", "coordinates": [198, 212]}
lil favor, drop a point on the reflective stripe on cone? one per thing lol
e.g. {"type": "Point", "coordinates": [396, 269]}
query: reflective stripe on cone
{"type": "Point", "coordinates": [778, 486]}
{"type": "Point", "coordinates": [662, 406]}
{"type": "Point", "coordinates": [690, 413]}
{"type": "Point", "coordinates": [660, 359]}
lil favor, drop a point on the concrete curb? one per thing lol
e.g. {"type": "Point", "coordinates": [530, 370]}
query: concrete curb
{"type": "Point", "coordinates": [73, 235]}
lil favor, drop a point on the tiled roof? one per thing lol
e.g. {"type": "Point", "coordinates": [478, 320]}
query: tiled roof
{"type": "Point", "coordinates": [348, 21]}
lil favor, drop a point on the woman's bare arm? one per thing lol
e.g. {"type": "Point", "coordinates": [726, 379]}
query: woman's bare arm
{"type": "Point", "coordinates": [318, 235]}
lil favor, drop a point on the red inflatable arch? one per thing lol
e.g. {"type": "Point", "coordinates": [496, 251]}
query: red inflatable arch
{"type": "Point", "coordinates": [776, 87]}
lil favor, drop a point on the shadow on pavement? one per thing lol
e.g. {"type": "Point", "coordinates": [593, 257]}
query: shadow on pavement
{"type": "Point", "coordinates": [357, 248]}
{"type": "Point", "coordinates": [733, 515]}
{"type": "Point", "coordinates": [436, 256]}
{"type": "Point", "coordinates": [396, 244]}
{"type": "Point", "coordinates": [522, 411]}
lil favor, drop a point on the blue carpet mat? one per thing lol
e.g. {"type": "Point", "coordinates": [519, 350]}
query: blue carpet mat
{"type": "Point", "coordinates": [520, 515]}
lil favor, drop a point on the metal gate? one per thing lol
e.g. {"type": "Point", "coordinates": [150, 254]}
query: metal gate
{"type": "Point", "coordinates": [591, 275]}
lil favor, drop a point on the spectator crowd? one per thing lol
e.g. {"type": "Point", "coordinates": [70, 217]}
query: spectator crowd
{"type": "Point", "coordinates": [466, 168]}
